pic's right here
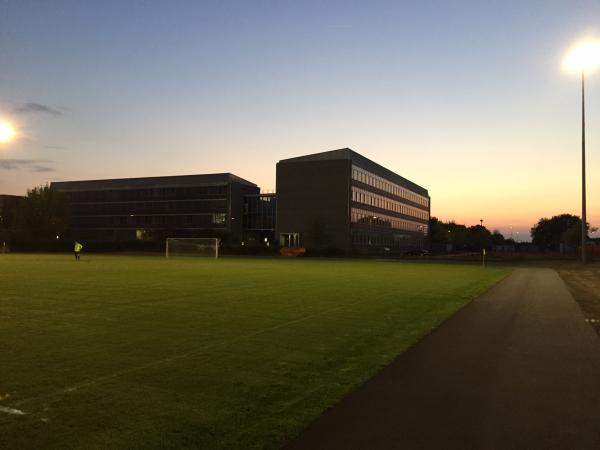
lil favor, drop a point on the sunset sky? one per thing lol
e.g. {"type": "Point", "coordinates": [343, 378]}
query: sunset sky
{"type": "Point", "coordinates": [467, 99]}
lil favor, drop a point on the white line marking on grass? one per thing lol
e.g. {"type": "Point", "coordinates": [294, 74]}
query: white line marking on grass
{"type": "Point", "coordinates": [15, 412]}
{"type": "Point", "coordinates": [169, 359]}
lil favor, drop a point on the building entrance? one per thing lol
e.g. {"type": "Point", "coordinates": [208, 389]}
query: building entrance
{"type": "Point", "coordinates": [289, 240]}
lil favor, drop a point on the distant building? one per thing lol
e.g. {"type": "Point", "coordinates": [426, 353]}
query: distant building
{"type": "Point", "coordinates": [342, 200]}
{"type": "Point", "coordinates": [155, 208]}
{"type": "Point", "coordinates": [335, 200]}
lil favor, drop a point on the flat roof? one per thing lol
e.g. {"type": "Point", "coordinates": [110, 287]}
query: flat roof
{"type": "Point", "coordinates": [360, 161]}
{"type": "Point", "coordinates": [149, 182]}
{"type": "Point", "coordinates": [10, 196]}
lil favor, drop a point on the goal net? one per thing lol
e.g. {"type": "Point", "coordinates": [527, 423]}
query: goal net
{"type": "Point", "coordinates": [194, 247]}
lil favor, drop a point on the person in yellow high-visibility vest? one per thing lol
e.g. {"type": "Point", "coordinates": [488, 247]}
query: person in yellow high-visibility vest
{"type": "Point", "coordinates": [77, 250]}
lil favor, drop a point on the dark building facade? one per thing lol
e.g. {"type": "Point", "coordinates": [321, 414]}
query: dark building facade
{"type": "Point", "coordinates": [331, 200]}
{"type": "Point", "coordinates": [342, 200]}
{"type": "Point", "coordinates": [154, 208]}
{"type": "Point", "coordinates": [259, 219]}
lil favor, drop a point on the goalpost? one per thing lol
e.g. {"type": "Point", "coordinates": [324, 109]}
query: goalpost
{"type": "Point", "coordinates": [195, 247]}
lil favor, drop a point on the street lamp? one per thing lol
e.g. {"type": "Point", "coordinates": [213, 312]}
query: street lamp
{"type": "Point", "coordinates": [7, 132]}
{"type": "Point", "coordinates": [583, 58]}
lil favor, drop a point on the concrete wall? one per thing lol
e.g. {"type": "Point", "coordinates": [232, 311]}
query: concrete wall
{"type": "Point", "coordinates": [313, 199]}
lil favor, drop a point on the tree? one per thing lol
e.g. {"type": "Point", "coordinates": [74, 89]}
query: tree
{"type": "Point", "coordinates": [438, 231]}
{"type": "Point", "coordinates": [43, 214]}
{"type": "Point", "coordinates": [498, 238]}
{"type": "Point", "coordinates": [548, 234]}
{"type": "Point", "coordinates": [458, 235]}
{"type": "Point", "coordinates": [479, 238]}
{"type": "Point", "coordinates": [472, 238]}
{"type": "Point", "coordinates": [572, 237]}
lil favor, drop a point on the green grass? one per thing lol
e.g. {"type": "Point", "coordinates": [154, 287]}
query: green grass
{"type": "Point", "coordinates": [141, 352]}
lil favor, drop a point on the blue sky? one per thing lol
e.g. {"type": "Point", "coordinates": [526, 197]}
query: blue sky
{"type": "Point", "coordinates": [464, 98]}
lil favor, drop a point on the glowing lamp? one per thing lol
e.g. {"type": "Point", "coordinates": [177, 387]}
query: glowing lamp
{"type": "Point", "coordinates": [7, 132]}
{"type": "Point", "coordinates": [583, 57]}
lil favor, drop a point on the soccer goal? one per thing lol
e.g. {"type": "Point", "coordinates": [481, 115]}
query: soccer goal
{"type": "Point", "coordinates": [194, 247]}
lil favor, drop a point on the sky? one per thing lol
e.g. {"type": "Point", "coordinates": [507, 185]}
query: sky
{"type": "Point", "coordinates": [467, 99]}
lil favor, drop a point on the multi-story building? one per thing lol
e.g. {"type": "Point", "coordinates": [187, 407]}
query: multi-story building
{"type": "Point", "coordinates": [331, 200]}
{"type": "Point", "coordinates": [158, 207]}
{"type": "Point", "coordinates": [342, 200]}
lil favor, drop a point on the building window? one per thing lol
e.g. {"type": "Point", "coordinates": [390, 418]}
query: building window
{"type": "Point", "coordinates": [383, 184]}
{"type": "Point", "coordinates": [368, 198]}
{"type": "Point", "coordinates": [219, 218]}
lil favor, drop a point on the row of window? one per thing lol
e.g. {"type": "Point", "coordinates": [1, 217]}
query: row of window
{"type": "Point", "coordinates": [200, 220]}
{"type": "Point", "coordinates": [260, 205]}
{"type": "Point", "coordinates": [360, 216]}
{"type": "Point", "coordinates": [148, 194]}
{"type": "Point", "coordinates": [379, 201]}
{"type": "Point", "coordinates": [259, 212]}
{"type": "Point", "coordinates": [153, 207]}
{"type": "Point", "coordinates": [390, 240]}
{"type": "Point", "coordinates": [380, 183]}
{"type": "Point", "coordinates": [259, 222]}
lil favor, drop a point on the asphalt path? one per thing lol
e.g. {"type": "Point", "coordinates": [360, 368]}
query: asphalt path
{"type": "Point", "coordinates": [518, 368]}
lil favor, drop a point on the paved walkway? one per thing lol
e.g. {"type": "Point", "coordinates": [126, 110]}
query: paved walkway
{"type": "Point", "coordinates": [519, 368]}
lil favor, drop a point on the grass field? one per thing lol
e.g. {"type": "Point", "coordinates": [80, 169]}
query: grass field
{"type": "Point", "coordinates": [141, 352]}
{"type": "Point", "coordinates": [584, 284]}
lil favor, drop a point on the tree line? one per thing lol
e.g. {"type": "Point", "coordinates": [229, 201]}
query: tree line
{"type": "Point", "coordinates": [465, 238]}
{"type": "Point", "coordinates": [36, 221]}
{"type": "Point", "coordinates": [548, 234]}
{"type": "Point", "coordinates": [563, 229]}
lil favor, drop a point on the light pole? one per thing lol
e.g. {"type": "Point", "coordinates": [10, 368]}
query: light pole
{"type": "Point", "coordinates": [583, 199]}
{"type": "Point", "coordinates": [581, 58]}
{"type": "Point", "coordinates": [7, 132]}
